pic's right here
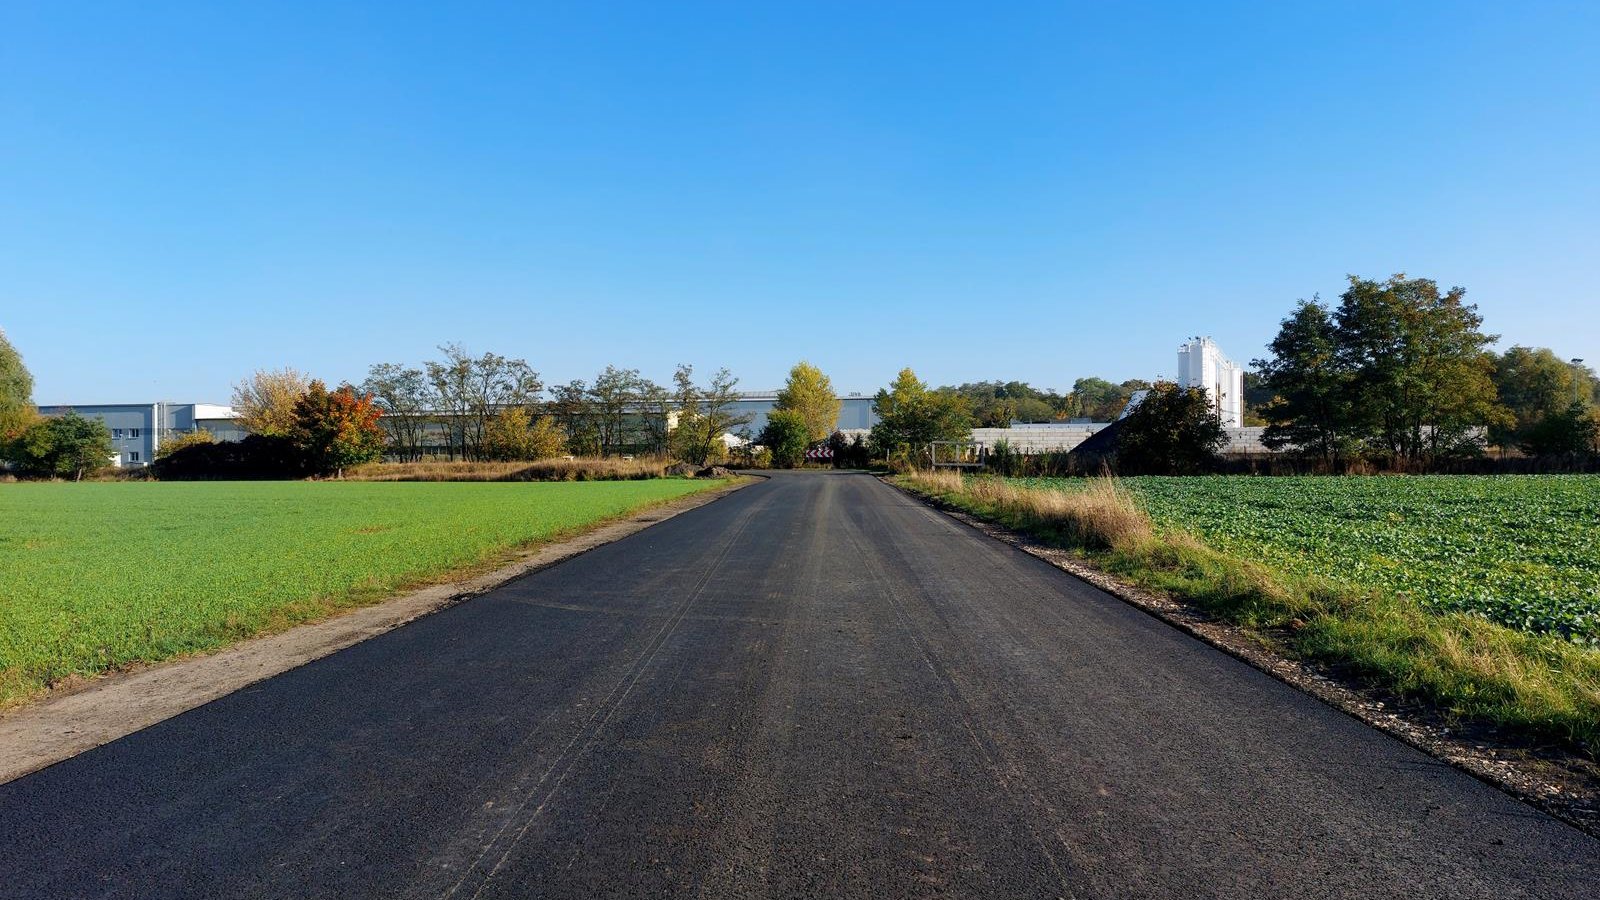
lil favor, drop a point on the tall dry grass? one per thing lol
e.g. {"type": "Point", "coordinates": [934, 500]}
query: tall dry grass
{"type": "Point", "coordinates": [1102, 516]}
{"type": "Point", "coordinates": [540, 470]}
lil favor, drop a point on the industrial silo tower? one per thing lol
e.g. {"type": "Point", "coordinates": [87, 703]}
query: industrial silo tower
{"type": "Point", "coordinates": [1201, 363]}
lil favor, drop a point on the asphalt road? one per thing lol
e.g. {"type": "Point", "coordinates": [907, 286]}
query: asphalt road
{"type": "Point", "coordinates": [813, 688]}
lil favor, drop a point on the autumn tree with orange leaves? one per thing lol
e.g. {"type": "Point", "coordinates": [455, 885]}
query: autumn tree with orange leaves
{"type": "Point", "coordinates": [334, 430]}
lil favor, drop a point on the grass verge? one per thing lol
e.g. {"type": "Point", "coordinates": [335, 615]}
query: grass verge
{"type": "Point", "coordinates": [541, 470]}
{"type": "Point", "coordinates": [100, 576]}
{"type": "Point", "coordinates": [1467, 668]}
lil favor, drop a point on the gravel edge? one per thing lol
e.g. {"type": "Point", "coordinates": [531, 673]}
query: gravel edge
{"type": "Point", "coordinates": [1562, 785]}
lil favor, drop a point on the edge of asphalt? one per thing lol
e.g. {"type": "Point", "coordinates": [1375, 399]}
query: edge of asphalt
{"type": "Point", "coordinates": [59, 727]}
{"type": "Point", "coordinates": [1540, 782]}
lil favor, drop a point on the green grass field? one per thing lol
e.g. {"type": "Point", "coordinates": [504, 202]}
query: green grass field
{"type": "Point", "coordinates": [97, 576]}
{"type": "Point", "coordinates": [1523, 551]}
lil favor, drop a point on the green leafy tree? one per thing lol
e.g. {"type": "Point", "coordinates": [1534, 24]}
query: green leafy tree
{"type": "Point", "coordinates": [1100, 400]}
{"type": "Point", "coordinates": [409, 404]}
{"type": "Point", "coordinates": [996, 404]}
{"type": "Point", "coordinates": [470, 390]}
{"type": "Point", "coordinates": [706, 415]}
{"type": "Point", "coordinates": [911, 417]}
{"type": "Point", "coordinates": [1420, 376]}
{"type": "Point", "coordinates": [1310, 387]}
{"type": "Point", "coordinates": [1535, 385]}
{"type": "Point", "coordinates": [1256, 397]}
{"type": "Point", "coordinates": [1570, 430]}
{"type": "Point", "coordinates": [334, 430]}
{"type": "Point", "coordinates": [65, 446]}
{"type": "Point", "coordinates": [17, 411]}
{"type": "Point", "coordinates": [810, 394]}
{"type": "Point", "coordinates": [614, 398]}
{"type": "Point", "coordinates": [573, 411]}
{"type": "Point", "coordinates": [1173, 431]}
{"type": "Point", "coordinates": [786, 436]}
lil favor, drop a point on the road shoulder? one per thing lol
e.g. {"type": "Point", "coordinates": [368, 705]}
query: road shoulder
{"type": "Point", "coordinates": [68, 723]}
{"type": "Point", "coordinates": [1555, 782]}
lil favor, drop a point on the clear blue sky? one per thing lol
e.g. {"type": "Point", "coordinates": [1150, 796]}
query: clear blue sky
{"type": "Point", "coordinates": [192, 191]}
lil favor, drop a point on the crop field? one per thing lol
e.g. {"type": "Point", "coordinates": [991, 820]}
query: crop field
{"type": "Point", "coordinates": [97, 576]}
{"type": "Point", "coordinates": [1520, 550]}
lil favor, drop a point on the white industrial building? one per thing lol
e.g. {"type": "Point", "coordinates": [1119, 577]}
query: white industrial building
{"type": "Point", "coordinates": [1202, 364]}
{"type": "Point", "coordinates": [137, 429]}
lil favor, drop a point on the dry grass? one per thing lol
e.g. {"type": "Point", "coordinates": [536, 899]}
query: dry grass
{"type": "Point", "coordinates": [1465, 666]}
{"type": "Point", "coordinates": [1100, 517]}
{"type": "Point", "coordinates": [540, 470]}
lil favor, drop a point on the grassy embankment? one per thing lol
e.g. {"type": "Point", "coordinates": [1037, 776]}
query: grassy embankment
{"type": "Point", "coordinates": [1471, 669]}
{"type": "Point", "coordinates": [94, 577]}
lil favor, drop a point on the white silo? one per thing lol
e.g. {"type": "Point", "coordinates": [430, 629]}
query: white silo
{"type": "Point", "coordinates": [1201, 363]}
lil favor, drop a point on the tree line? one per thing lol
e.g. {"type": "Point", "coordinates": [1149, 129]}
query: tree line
{"type": "Point", "coordinates": [493, 407]}
{"type": "Point", "coordinates": [1401, 372]}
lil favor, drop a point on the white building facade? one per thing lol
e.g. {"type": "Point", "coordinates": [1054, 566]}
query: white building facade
{"type": "Point", "coordinates": [1201, 363]}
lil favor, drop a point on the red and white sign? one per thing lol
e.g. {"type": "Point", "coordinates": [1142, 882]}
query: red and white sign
{"type": "Point", "coordinates": [822, 452]}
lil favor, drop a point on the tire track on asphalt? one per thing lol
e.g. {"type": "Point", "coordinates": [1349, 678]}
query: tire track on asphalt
{"type": "Point", "coordinates": [1003, 771]}
{"type": "Point", "coordinates": [751, 821]}
{"type": "Point", "coordinates": [583, 741]}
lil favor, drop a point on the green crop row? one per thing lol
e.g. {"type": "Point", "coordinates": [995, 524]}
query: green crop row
{"type": "Point", "coordinates": [1522, 551]}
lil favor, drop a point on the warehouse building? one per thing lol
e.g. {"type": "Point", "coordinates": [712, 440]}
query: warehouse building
{"type": "Point", "coordinates": [137, 429]}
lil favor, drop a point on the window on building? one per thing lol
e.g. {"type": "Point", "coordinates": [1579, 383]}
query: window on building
{"type": "Point", "coordinates": [133, 456]}
{"type": "Point", "coordinates": [133, 432]}
{"type": "Point", "coordinates": [116, 434]}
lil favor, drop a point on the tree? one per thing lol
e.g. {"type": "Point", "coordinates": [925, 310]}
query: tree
{"type": "Point", "coordinates": [786, 436]}
{"type": "Point", "coordinates": [1310, 386]}
{"type": "Point", "coordinates": [572, 407]}
{"type": "Point", "coordinates": [513, 434]}
{"type": "Point", "coordinates": [707, 415]}
{"type": "Point", "coordinates": [1419, 374]}
{"type": "Point", "coordinates": [996, 404]}
{"type": "Point", "coordinates": [911, 417]}
{"type": "Point", "coordinates": [265, 401]}
{"type": "Point", "coordinates": [63, 446]}
{"type": "Point", "coordinates": [545, 438]}
{"type": "Point", "coordinates": [336, 430]}
{"type": "Point", "coordinates": [1535, 385]}
{"type": "Point", "coordinates": [1173, 431]}
{"type": "Point", "coordinates": [614, 395]}
{"type": "Point", "coordinates": [1256, 397]}
{"type": "Point", "coordinates": [409, 403]}
{"type": "Point", "coordinates": [176, 442]}
{"type": "Point", "coordinates": [17, 411]}
{"type": "Point", "coordinates": [657, 415]}
{"type": "Point", "coordinates": [1100, 400]}
{"type": "Point", "coordinates": [1570, 430]}
{"type": "Point", "coordinates": [810, 394]}
{"type": "Point", "coordinates": [472, 389]}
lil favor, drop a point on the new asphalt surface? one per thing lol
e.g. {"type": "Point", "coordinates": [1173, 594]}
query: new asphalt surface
{"type": "Point", "coordinates": [815, 687]}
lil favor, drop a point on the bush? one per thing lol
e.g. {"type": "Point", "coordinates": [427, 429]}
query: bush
{"type": "Point", "coordinates": [257, 456]}
{"type": "Point", "coordinates": [67, 446]}
{"type": "Point", "coordinates": [188, 439]}
{"type": "Point", "coordinates": [787, 437]}
{"type": "Point", "coordinates": [1173, 431]}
